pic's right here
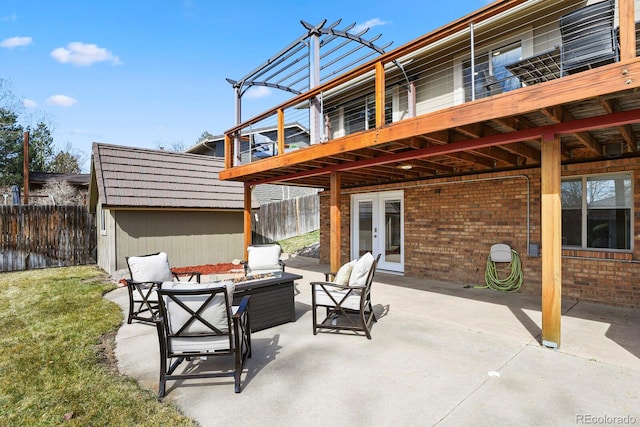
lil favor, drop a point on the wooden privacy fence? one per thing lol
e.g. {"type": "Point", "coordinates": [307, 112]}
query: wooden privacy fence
{"type": "Point", "coordinates": [286, 218]}
{"type": "Point", "coordinates": [34, 236]}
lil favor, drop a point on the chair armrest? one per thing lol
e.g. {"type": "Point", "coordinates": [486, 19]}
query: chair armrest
{"type": "Point", "coordinates": [244, 306]}
{"type": "Point", "coordinates": [281, 264]}
{"type": "Point", "coordinates": [133, 282]}
{"type": "Point", "coordinates": [336, 285]}
{"type": "Point", "coordinates": [330, 277]}
{"type": "Point", "coordinates": [191, 275]}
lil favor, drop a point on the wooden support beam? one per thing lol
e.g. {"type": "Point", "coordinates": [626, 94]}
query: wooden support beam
{"type": "Point", "coordinates": [551, 225]}
{"type": "Point", "coordinates": [627, 30]}
{"type": "Point", "coordinates": [334, 222]}
{"type": "Point", "coordinates": [228, 153]}
{"type": "Point", "coordinates": [380, 94]}
{"type": "Point", "coordinates": [280, 132]}
{"type": "Point", "coordinates": [247, 220]}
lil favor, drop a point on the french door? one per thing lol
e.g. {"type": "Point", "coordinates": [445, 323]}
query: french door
{"type": "Point", "coordinates": [378, 227]}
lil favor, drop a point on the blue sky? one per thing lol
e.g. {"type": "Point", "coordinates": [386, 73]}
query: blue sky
{"type": "Point", "coordinates": [147, 73]}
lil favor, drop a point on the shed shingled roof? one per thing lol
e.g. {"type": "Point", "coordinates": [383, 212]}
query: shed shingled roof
{"type": "Point", "coordinates": [129, 177]}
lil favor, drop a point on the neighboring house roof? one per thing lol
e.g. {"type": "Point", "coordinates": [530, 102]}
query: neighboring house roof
{"type": "Point", "coordinates": [128, 177]}
{"type": "Point", "coordinates": [75, 179]}
{"type": "Point", "coordinates": [214, 146]}
{"type": "Point", "coordinates": [263, 193]}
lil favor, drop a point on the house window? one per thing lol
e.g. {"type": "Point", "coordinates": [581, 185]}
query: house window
{"type": "Point", "coordinates": [596, 212]}
{"type": "Point", "coordinates": [360, 114]}
{"type": "Point", "coordinates": [490, 75]}
{"type": "Point", "coordinates": [103, 222]}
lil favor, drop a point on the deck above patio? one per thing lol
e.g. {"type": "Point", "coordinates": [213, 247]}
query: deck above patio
{"type": "Point", "coordinates": [418, 111]}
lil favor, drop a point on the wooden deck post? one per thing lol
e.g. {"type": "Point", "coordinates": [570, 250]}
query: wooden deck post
{"type": "Point", "coordinates": [380, 94]}
{"type": "Point", "coordinates": [627, 30]}
{"type": "Point", "coordinates": [551, 222]}
{"type": "Point", "coordinates": [280, 132]}
{"type": "Point", "coordinates": [334, 222]}
{"type": "Point", "coordinates": [247, 220]}
{"type": "Point", "coordinates": [228, 152]}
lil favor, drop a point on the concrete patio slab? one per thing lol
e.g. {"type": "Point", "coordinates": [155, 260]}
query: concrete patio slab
{"type": "Point", "coordinates": [441, 354]}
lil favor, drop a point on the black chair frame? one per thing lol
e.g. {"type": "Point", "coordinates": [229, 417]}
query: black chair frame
{"type": "Point", "coordinates": [140, 306]}
{"type": "Point", "coordinates": [239, 336]}
{"type": "Point", "coordinates": [365, 314]}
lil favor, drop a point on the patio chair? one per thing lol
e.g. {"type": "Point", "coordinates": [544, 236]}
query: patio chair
{"type": "Point", "coordinates": [344, 295]}
{"type": "Point", "coordinates": [263, 259]}
{"type": "Point", "coordinates": [588, 37]}
{"type": "Point", "coordinates": [148, 272]}
{"type": "Point", "coordinates": [197, 322]}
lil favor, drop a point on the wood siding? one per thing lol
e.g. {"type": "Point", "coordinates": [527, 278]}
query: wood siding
{"type": "Point", "coordinates": [188, 237]}
{"type": "Point", "coordinates": [287, 218]}
{"type": "Point", "coordinates": [46, 236]}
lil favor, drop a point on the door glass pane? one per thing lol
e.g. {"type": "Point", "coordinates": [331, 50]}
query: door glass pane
{"type": "Point", "coordinates": [392, 231]}
{"type": "Point", "coordinates": [365, 227]}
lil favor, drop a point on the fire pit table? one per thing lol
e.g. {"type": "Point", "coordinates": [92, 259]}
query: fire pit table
{"type": "Point", "coordinates": [271, 302]}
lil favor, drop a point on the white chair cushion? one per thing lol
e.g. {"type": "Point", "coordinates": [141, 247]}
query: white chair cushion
{"type": "Point", "coordinates": [352, 302]}
{"type": "Point", "coordinates": [361, 270]}
{"type": "Point", "coordinates": [202, 344]}
{"type": "Point", "coordinates": [263, 256]}
{"type": "Point", "coordinates": [150, 268]}
{"type": "Point", "coordinates": [344, 273]}
{"type": "Point", "coordinates": [216, 311]}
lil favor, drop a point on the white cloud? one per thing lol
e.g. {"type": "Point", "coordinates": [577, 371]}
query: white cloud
{"type": "Point", "coordinates": [369, 24]}
{"type": "Point", "coordinates": [61, 101]}
{"type": "Point", "coordinates": [12, 42]}
{"type": "Point", "coordinates": [12, 17]}
{"type": "Point", "coordinates": [29, 103]}
{"type": "Point", "coordinates": [78, 53]}
{"type": "Point", "coordinates": [258, 92]}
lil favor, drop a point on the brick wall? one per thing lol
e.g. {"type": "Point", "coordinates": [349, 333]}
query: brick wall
{"type": "Point", "coordinates": [450, 225]}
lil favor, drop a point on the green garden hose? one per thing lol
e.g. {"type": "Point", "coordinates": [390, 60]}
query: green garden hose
{"type": "Point", "coordinates": [510, 283]}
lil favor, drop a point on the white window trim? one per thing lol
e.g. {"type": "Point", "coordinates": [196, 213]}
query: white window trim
{"type": "Point", "coordinates": [584, 209]}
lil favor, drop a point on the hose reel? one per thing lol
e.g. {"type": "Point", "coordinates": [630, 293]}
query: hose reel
{"type": "Point", "coordinates": [503, 259]}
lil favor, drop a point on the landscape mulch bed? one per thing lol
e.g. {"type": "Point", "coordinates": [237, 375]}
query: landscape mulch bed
{"type": "Point", "coordinates": [208, 268]}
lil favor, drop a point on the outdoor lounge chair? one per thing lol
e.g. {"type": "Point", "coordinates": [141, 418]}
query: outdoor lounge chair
{"type": "Point", "coordinates": [197, 322]}
{"type": "Point", "coordinates": [147, 274]}
{"type": "Point", "coordinates": [346, 294]}
{"type": "Point", "coordinates": [588, 37]}
{"type": "Point", "coordinates": [263, 259]}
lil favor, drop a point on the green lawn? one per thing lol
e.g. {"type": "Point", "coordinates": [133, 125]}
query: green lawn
{"type": "Point", "coordinates": [291, 245]}
{"type": "Point", "coordinates": [52, 322]}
